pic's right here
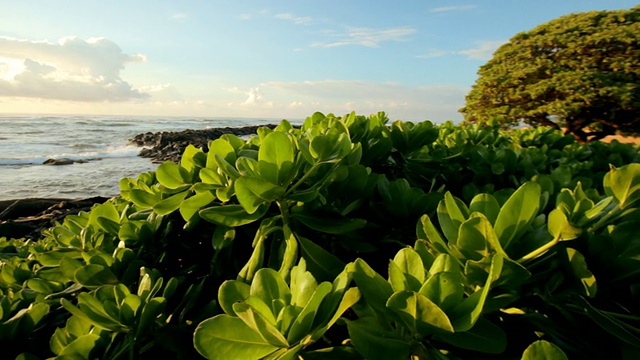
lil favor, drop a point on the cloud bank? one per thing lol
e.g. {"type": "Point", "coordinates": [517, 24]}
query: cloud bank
{"type": "Point", "coordinates": [71, 69]}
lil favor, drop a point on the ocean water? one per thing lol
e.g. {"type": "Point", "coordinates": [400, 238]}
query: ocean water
{"type": "Point", "coordinates": [103, 141]}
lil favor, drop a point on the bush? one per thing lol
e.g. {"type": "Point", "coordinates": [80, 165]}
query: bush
{"type": "Point", "coordinates": [278, 246]}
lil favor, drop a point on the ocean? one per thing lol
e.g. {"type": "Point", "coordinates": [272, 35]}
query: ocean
{"type": "Point", "coordinates": [102, 141]}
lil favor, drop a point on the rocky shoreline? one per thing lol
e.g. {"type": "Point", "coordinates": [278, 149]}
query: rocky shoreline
{"type": "Point", "coordinates": [169, 145]}
{"type": "Point", "coordinates": [29, 217]}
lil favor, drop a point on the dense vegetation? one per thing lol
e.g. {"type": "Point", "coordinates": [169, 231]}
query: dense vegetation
{"type": "Point", "coordinates": [582, 68]}
{"type": "Point", "coordinates": [346, 238]}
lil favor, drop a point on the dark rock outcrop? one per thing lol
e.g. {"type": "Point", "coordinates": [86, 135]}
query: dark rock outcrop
{"type": "Point", "coordinates": [169, 145]}
{"type": "Point", "coordinates": [29, 217]}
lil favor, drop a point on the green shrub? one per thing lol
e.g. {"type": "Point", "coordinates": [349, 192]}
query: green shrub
{"type": "Point", "coordinates": [278, 247]}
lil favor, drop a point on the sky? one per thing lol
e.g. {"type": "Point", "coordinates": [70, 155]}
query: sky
{"type": "Point", "coordinates": [415, 60]}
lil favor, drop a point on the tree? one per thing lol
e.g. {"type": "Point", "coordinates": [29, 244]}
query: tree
{"type": "Point", "coordinates": [580, 71]}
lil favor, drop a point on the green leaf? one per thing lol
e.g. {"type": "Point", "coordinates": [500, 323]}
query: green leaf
{"type": "Point", "coordinates": [172, 176]}
{"type": "Point", "coordinates": [253, 192]}
{"type": "Point", "coordinates": [487, 205]}
{"type": "Point", "coordinates": [517, 214]}
{"type": "Point", "coordinates": [276, 157]}
{"type": "Point", "coordinates": [223, 148]}
{"type": "Point", "coordinates": [225, 337]}
{"type": "Point", "coordinates": [170, 204]}
{"type": "Point", "coordinates": [373, 343]}
{"type": "Point", "coordinates": [451, 214]}
{"type": "Point", "coordinates": [302, 284]}
{"type": "Point", "coordinates": [144, 199]}
{"type": "Point", "coordinates": [411, 264]}
{"type": "Point", "coordinates": [192, 158]}
{"type": "Point", "coordinates": [231, 215]}
{"type": "Point", "coordinates": [231, 292]}
{"type": "Point", "coordinates": [444, 289]}
{"type": "Point", "coordinates": [269, 286]}
{"type": "Point", "coordinates": [611, 324]}
{"type": "Point", "coordinates": [419, 313]}
{"type": "Point", "coordinates": [465, 315]}
{"type": "Point", "coordinates": [560, 228]}
{"type": "Point", "coordinates": [375, 289]}
{"type": "Point", "coordinates": [303, 322]}
{"type": "Point", "coordinates": [330, 224]}
{"type": "Point", "coordinates": [258, 323]}
{"type": "Point", "coordinates": [191, 206]}
{"type": "Point", "coordinates": [543, 349]}
{"type": "Point", "coordinates": [320, 262]}
{"type": "Point", "coordinates": [349, 299]}
{"type": "Point", "coordinates": [81, 347]}
{"type": "Point", "coordinates": [623, 184]}
{"type": "Point", "coordinates": [427, 231]}
{"type": "Point", "coordinates": [150, 312]}
{"type": "Point", "coordinates": [484, 336]}
{"type": "Point", "coordinates": [580, 270]}
{"type": "Point", "coordinates": [94, 275]}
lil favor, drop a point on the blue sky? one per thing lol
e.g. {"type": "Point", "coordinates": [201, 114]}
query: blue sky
{"type": "Point", "coordinates": [416, 60]}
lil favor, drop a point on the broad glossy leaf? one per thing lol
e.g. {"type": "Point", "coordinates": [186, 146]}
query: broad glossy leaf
{"type": "Point", "coordinates": [106, 210]}
{"type": "Point", "coordinates": [193, 158]}
{"type": "Point", "coordinates": [517, 214]}
{"type": "Point", "coordinates": [427, 231]}
{"type": "Point", "coordinates": [231, 292]}
{"type": "Point", "coordinates": [150, 312]}
{"type": "Point", "coordinates": [623, 184]}
{"type": "Point", "coordinates": [259, 324]}
{"type": "Point", "coordinates": [487, 205]}
{"type": "Point", "coordinates": [465, 315]}
{"type": "Point", "coordinates": [445, 289]}
{"type": "Point", "coordinates": [581, 271]}
{"type": "Point", "coordinates": [172, 176]}
{"type": "Point", "coordinates": [94, 275]}
{"type": "Point", "coordinates": [411, 265]}
{"type": "Point", "coordinates": [349, 299]}
{"type": "Point", "coordinates": [276, 157]}
{"type": "Point", "coordinates": [269, 286]}
{"type": "Point", "coordinates": [543, 349]}
{"type": "Point", "coordinates": [231, 215]}
{"type": "Point", "coordinates": [144, 199]}
{"type": "Point", "coordinates": [302, 284]}
{"type": "Point", "coordinates": [375, 289]}
{"type": "Point", "coordinates": [398, 279]}
{"type": "Point", "coordinates": [320, 262]}
{"type": "Point", "coordinates": [170, 204]}
{"type": "Point", "coordinates": [225, 337]}
{"type": "Point", "coordinates": [484, 336]}
{"type": "Point", "coordinates": [419, 313]}
{"type": "Point", "coordinates": [223, 148]}
{"type": "Point", "coordinates": [560, 228]}
{"type": "Point", "coordinates": [253, 192]}
{"type": "Point", "coordinates": [212, 176]}
{"type": "Point", "coordinates": [373, 343]}
{"type": "Point", "coordinates": [191, 206]}
{"type": "Point", "coordinates": [81, 347]}
{"type": "Point", "coordinates": [451, 214]}
{"type": "Point", "coordinates": [331, 224]}
{"type": "Point", "coordinates": [302, 324]}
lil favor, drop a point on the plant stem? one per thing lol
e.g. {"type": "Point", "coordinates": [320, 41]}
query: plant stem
{"type": "Point", "coordinates": [539, 251]}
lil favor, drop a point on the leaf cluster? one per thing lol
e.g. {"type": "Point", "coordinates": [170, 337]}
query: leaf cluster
{"type": "Point", "coordinates": [503, 244]}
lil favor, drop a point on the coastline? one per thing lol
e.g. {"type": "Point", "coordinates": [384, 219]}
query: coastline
{"type": "Point", "coordinates": [28, 217]}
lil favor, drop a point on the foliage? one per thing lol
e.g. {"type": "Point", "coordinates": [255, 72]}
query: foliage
{"type": "Point", "coordinates": [582, 68]}
{"type": "Point", "coordinates": [278, 247]}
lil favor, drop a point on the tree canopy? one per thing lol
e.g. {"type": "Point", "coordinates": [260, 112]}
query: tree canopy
{"type": "Point", "coordinates": [580, 71]}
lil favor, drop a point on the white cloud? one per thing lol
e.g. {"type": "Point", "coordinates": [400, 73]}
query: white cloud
{"type": "Point", "coordinates": [245, 16]}
{"type": "Point", "coordinates": [71, 69]}
{"type": "Point", "coordinates": [442, 9]}
{"type": "Point", "coordinates": [433, 53]}
{"type": "Point", "coordinates": [298, 20]}
{"type": "Point", "coordinates": [365, 37]}
{"type": "Point", "coordinates": [484, 50]}
{"type": "Point", "coordinates": [180, 17]}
